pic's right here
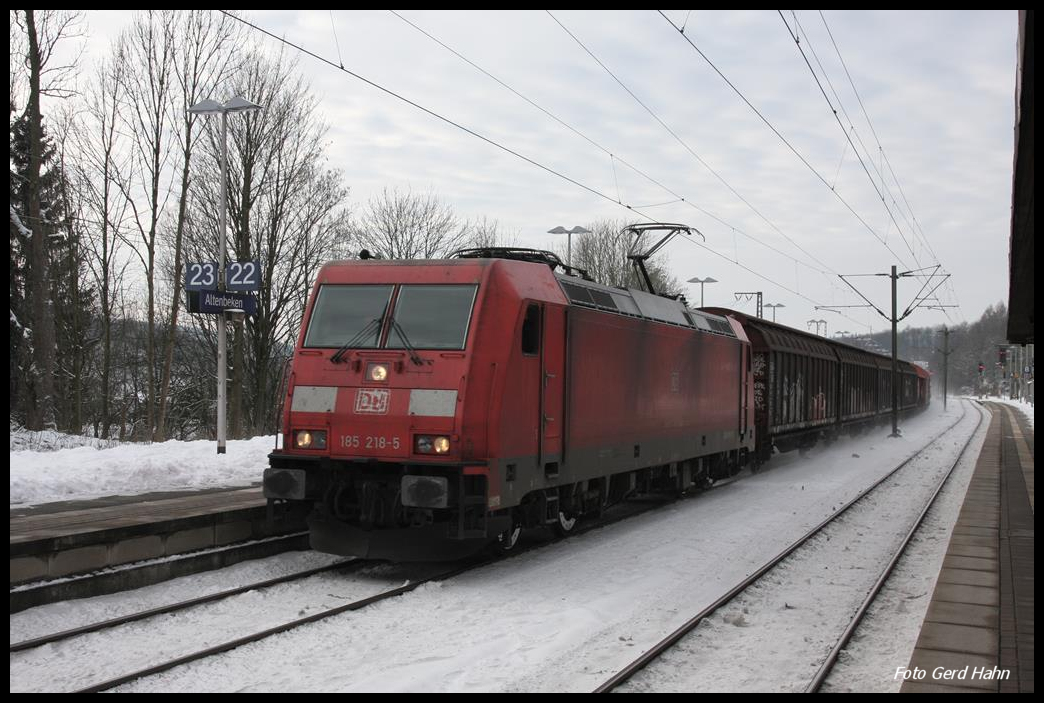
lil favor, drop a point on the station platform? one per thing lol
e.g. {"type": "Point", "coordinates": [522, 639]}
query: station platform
{"type": "Point", "coordinates": [59, 540]}
{"type": "Point", "coordinates": [977, 635]}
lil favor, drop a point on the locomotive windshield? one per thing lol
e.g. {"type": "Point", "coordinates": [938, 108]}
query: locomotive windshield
{"type": "Point", "coordinates": [343, 313]}
{"type": "Point", "coordinates": [425, 316]}
{"type": "Point", "coordinates": [432, 317]}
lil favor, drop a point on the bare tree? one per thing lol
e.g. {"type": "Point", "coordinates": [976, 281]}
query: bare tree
{"type": "Point", "coordinates": [100, 167]}
{"type": "Point", "coordinates": [72, 291]}
{"type": "Point", "coordinates": [487, 233]}
{"type": "Point", "coordinates": [206, 43]}
{"type": "Point", "coordinates": [399, 225]}
{"type": "Point", "coordinates": [148, 49]}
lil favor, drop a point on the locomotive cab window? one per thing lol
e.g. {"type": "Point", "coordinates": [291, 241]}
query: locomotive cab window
{"type": "Point", "coordinates": [431, 317]}
{"type": "Point", "coordinates": [346, 313]}
{"type": "Point", "coordinates": [531, 331]}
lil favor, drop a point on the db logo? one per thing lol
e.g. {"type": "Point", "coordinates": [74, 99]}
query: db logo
{"type": "Point", "coordinates": [372, 401]}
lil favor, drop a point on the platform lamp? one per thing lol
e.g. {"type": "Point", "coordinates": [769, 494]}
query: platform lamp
{"type": "Point", "coordinates": [569, 239]}
{"type": "Point", "coordinates": [701, 281]}
{"type": "Point", "coordinates": [212, 107]}
{"type": "Point", "coordinates": [774, 306]}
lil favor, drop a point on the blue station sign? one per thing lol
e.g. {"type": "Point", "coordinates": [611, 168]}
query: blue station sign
{"type": "Point", "coordinates": [201, 275]}
{"type": "Point", "coordinates": [215, 302]}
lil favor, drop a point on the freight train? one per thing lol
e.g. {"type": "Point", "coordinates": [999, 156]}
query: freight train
{"type": "Point", "coordinates": [434, 408]}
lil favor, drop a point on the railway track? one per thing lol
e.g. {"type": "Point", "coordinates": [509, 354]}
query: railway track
{"type": "Point", "coordinates": [258, 636]}
{"type": "Point", "coordinates": [625, 512]}
{"type": "Point", "coordinates": [180, 605]}
{"type": "Point", "coordinates": [671, 641]}
{"type": "Point", "coordinates": [139, 574]}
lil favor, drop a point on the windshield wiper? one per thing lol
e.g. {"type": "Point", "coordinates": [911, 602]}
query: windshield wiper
{"type": "Point", "coordinates": [373, 325]}
{"type": "Point", "coordinates": [414, 357]}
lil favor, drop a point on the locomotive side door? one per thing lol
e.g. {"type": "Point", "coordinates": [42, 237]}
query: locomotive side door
{"type": "Point", "coordinates": [552, 391]}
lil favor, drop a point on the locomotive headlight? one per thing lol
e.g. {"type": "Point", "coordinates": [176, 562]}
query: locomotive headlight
{"type": "Point", "coordinates": [428, 444]}
{"type": "Point", "coordinates": [377, 372]}
{"type": "Point", "coordinates": [310, 439]}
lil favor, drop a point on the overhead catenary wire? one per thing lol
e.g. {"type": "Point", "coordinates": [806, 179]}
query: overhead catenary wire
{"type": "Point", "coordinates": [848, 136]}
{"type": "Point", "coordinates": [782, 138]}
{"type": "Point", "coordinates": [488, 140]}
{"type": "Point", "coordinates": [615, 158]}
{"type": "Point", "coordinates": [425, 110]}
{"type": "Point", "coordinates": [913, 217]}
{"type": "Point", "coordinates": [684, 144]}
{"type": "Point", "coordinates": [912, 222]}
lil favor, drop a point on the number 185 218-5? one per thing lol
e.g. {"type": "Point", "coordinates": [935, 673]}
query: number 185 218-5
{"type": "Point", "coordinates": [369, 442]}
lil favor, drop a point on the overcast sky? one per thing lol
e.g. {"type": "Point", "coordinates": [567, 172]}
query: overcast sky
{"type": "Point", "coordinates": [938, 88]}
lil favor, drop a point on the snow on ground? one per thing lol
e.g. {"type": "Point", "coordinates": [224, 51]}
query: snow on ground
{"type": "Point", "coordinates": [892, 624]}
{"type": "Point", "coordinates": [1024, 407]}
{"type": "Point", "coordinates": [563, 617]}
{"type": "Point", "coordinates": [88, 659]}
{"type": "Point", "coordinates": [85, 472]}
{"type": "Point", "coordinates": [794, 615]}
{"type": "Point", "coordinates": [48, 441]}
{"type": "Point", "coordinates": [560, 618]}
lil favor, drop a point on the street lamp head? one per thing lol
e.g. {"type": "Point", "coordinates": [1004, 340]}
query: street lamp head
{"type": "Point", "coordinates": [569, 241]}
{"type": "Point", "coordinates": [207, 107]}
{"type": "Point", "coordinates": [562, 230]}
{"type": "Point", "coordinates": [213, 107]}
{"type": "Point", "coordinates": [240, 104]}
{"type": "Point", "coordinates": [708, 279]}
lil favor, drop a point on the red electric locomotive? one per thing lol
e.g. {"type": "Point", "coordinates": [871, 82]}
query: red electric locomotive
{"type": "Point", "coordinates": [434, 407]}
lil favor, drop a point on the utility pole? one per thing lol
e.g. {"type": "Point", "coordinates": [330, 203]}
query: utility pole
{"type": "Point", "coordinates": [894, 319]}
{"type": "Point", "coordinates": [748, 296]}
{"type": "Point", "coordinates": [895, 358]}
{"type": "Point", "coordinates": [945, 351]}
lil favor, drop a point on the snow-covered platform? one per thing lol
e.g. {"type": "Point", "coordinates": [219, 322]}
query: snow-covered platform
{"type": "Point", "coordinates": [978, 632]}
{"type": "Point", "coordinates": [56, 540]}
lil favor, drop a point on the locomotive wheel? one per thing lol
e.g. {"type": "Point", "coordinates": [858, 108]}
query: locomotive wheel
{"type": "Point", "coordinates": [564, 524]}
{"type": "Point", "coordinates": [508, 539]}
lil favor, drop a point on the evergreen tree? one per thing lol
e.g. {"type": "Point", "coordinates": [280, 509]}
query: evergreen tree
{"type": "Point", "coordinates": [72, 303]}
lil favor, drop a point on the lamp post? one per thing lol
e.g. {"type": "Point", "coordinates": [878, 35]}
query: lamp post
{"type": "Point", "coordinates": [774, 306]}
{"type": "Point", "coordinates": [212, 107]}
{"type": "Point", "coordinates": [817, 323]}
{"type": "Point", "coordinates": [569, 239]}
{"type": "Point", "coordinates": [701, 281]}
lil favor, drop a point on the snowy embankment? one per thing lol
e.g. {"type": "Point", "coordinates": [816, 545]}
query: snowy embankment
{"type": "Point", "coordinates": [83, 472]}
